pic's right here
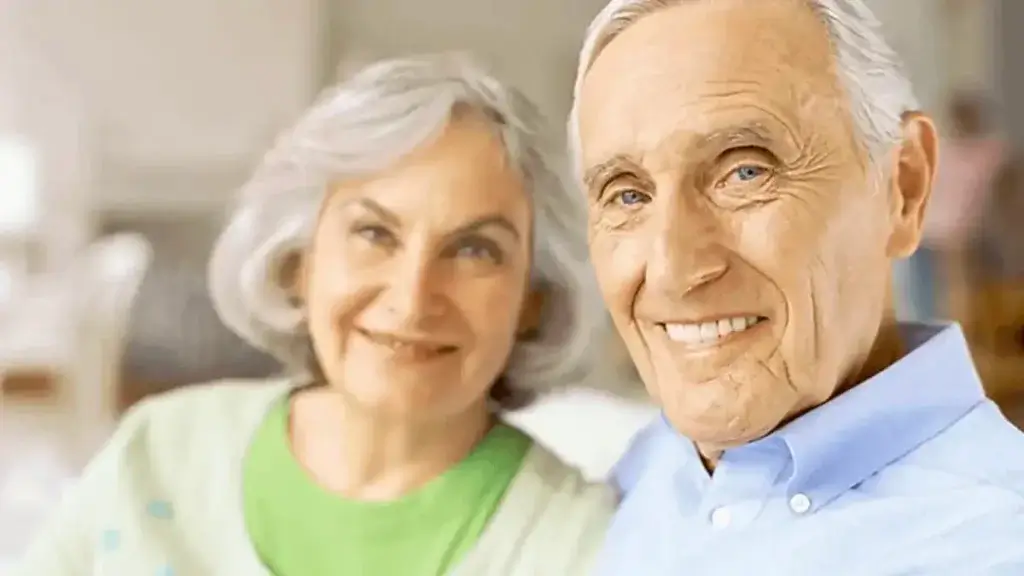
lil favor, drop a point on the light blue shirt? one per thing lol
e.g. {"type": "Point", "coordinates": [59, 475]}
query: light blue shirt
{"type": "Point", "coordinates": [912, 472]}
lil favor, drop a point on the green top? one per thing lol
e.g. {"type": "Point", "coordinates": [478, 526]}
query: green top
{"type": "Point", "coordinates": [300, 529]}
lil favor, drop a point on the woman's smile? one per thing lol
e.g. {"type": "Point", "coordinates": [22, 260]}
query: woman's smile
{"type": "Point", "coordinates": [408, 348]}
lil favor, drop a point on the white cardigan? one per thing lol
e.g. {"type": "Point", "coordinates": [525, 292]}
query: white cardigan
{"type": "Point", "coordinates": [164, 498]}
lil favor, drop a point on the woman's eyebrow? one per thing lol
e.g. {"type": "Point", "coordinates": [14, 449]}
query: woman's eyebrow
{"type": "Point", "coordinates": [381, 212]}
{"type": "Point", "coordinates": [494, 220]}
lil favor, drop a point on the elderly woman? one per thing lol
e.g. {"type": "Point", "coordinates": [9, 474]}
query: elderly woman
{"type": "Point", "coordinates": [407, 247]}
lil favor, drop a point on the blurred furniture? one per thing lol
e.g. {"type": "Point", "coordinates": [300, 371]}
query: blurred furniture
{"type": "Point", "coordinates": [113, 269]}
{"type": "Point", "coordinates": [66, 333]}
{"type": "Point", "coordinates": [19, 190]}
{"type": "Point", "coordinates": [991, 310]}
{"type": "Point", "coordinates": [37, 322]}
{"type": "Point", "coordinates": [175, 337]}
{"type": "Point", "coordinates": [995, 327]}
{"type": "Point", "coordinates": [62, 338]}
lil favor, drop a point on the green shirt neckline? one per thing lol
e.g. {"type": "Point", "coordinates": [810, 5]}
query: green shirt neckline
{"type": "Point", "coordinates": [298, 527]}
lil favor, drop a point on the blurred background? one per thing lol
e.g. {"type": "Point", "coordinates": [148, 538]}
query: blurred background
{"type": "Point", "coordinates": [125, 128]}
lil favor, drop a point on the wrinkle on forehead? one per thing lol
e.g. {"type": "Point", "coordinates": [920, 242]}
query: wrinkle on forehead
{"type": "Point", "coordinates": [702, 66]}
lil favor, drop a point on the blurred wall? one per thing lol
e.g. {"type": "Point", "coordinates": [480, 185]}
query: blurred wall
{"type": "Point", "coordinates": [917, 31]}
{"type": "Point", "coordinates": [189, 87]}
{"type": "Point", "coordinates": [534, 43]}
{"type": "Point", "coordinates": [41, 105]}
{"type": "Point", "coordinates": [166, 104]}
{"type": "Point", "coordinates": [1008, 16]}
{"type": "Point", "coordinates": [530, 43]}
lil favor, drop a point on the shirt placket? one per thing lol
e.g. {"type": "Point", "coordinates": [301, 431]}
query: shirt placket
{"type": "Point", "coordinates": [739, 489]}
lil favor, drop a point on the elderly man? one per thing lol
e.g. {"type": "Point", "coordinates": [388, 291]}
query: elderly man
{"type": "Point", "coordinates": [753, 168]}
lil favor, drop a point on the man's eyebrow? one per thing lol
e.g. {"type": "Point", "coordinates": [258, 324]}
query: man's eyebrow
{"type": "Point", "coordinates": [598, 172]}
{"type": "Point", "coordinates": [750, 134]}
{"type": "Point", "coordinates": [713, 141]}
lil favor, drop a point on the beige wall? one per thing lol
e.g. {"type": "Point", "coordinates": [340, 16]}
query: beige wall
{"type": "Point", "coordinates": [153, 105]}
{"type": "Point", "coordinates": [916, 29]}
{"type": "Point", "coordinates": [1010, 72]}
{"type": "Point", "coordinates": [530, 43]}
{"type": "Point", "coordinates": [533, 43]}
{"type": "Point", "coordinates": [175, 99]}
{"type": "Point", "coordinates": [945, 44]}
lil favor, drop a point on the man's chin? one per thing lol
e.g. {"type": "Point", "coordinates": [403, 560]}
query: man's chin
{"type": "Point", "coordinates": [714, 431]}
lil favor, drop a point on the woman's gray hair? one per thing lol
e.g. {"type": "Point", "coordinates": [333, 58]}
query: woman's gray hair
{"type": "Point", "coordinates": [869, 69]}
{"type": "Point", "coordinates": [361, 127]}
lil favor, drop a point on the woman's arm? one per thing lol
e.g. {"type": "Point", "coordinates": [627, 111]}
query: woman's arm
{"type": "Point", "coordinates": [72, 539]}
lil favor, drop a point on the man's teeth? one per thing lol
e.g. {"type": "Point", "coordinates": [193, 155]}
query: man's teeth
{"type": "Point", "coordinates": [708, 331]}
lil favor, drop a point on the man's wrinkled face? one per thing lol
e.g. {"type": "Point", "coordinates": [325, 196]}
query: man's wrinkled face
{"type": "Point", "coordinates": [740, 238]}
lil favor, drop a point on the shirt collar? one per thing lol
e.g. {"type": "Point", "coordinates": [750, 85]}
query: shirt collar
{"type": "Point", "coordinates": [844, 441]}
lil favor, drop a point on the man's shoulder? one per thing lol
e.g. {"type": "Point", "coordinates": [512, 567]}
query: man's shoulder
{"type": "Point", "coordinates": [954, 536]}
{"type": "Point", "coordinates": [657, 445]}
{"type": "Point", "coordinates": [983, 448]}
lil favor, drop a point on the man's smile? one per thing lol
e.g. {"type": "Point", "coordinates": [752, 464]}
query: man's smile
{"type": "Point", "coordinates": [710, 332]}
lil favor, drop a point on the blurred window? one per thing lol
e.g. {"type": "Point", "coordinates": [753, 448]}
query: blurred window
{"type": "Point", "coordinates": [19, 190]}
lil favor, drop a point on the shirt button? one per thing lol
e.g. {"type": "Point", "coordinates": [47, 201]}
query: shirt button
{"type": "Point", "coordinates": [721, 518]}
{"type": "Point", "coordinates": [799, 503]}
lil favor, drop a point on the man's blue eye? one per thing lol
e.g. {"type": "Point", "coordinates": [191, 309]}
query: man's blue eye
{"type": "Point", "coordinates": [748, 172]}
{"type": "Point", "coordinates": [632, 197]}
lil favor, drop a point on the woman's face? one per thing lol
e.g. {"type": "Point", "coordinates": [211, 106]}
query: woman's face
{"type": "Point", "coordinates": [416, 280]}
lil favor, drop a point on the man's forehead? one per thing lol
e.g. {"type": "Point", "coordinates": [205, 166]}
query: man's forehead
{"type": "Point", "coordinates": [708, 68]}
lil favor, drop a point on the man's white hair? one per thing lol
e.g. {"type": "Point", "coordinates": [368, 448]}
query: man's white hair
{"type": "Point", "coordinates": [869, 69]}
{"type": "Point", "coordinates": [361, 127]}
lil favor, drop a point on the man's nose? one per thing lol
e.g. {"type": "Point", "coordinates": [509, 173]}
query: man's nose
{"type": "Point", "coordinates": [414, 292]}
{"type": "Point", "coordinates": [688, 252]}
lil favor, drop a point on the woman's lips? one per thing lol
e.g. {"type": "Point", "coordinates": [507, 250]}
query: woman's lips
{"type": "Point", "coordinates": [408, 348]}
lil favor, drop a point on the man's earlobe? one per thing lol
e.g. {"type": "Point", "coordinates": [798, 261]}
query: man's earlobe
{"type": "Point", "coordinates": [913, 175]}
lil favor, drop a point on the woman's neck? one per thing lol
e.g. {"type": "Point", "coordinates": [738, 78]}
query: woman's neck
{"type": "Point", "coordinates": [364, 456]}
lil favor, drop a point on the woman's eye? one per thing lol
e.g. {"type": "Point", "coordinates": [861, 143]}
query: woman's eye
{"type": "Point", "coordinates": [375, 234]}
{"type": "Point", "coordinates": [630, 197]}
{"type": "Point", "coordinates": [472, 252]}
{"type": "Point", "coordinates": [478, 252]}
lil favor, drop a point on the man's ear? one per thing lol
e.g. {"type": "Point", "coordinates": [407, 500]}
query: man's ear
{"type": "Point", "coordinates": [291, 276]}
{"type": "Point", "coordinates": [531, 314]}
{"type": "Point", "coordinates": [913, 174]}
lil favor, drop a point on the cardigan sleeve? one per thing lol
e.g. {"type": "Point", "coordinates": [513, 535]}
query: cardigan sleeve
{"type": "Point", "coordinates": [69, 543]}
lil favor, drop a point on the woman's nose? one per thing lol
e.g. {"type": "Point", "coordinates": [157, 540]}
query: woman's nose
{"type": "Point", "coordinates": [415, 291]}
